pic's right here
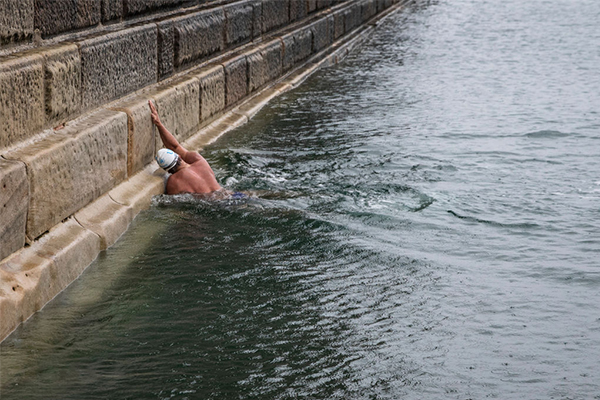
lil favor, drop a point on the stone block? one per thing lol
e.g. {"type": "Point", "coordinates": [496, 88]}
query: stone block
{"type": "Point", "coordinates": [178, 105]}
{"type": "Point", "coordinates": [297, 46]}
{"type": "Point", "coordinates": [34, 275]}
{"type": "Point", "coordinates": [238, 26]}
{"type": "Point", "coordinates": [368, 10]}
{"type": "Point", "coordinates": [236, 79]}
{"type": "Point", "coordinates": [14, 200]}
{"type": "Point", "coordinates": [69, 169]}
{"type": "Point", "coordinates": [212, 91]}
{"type": "Point", "coordinates": [383, 5]}
{"type": "Point", "coordinates": [133, 7]}
{"type": "Point", "coordinates": [273, 55]}
{"type": "Point", "coordinates": [264, 64]}
{"type": "Point", "coordinates": [105, 218]}
{"type": "Point", "coordinates": [352, 18]}
{"type": "Point", "coordinates": [256, 70]}
{"type": "Point", "coordinates": [298, 10]}
{"type": "Point", "coordinates": [331, 28]}
{"type": "Point", "coordinates": [62, 69]}
{"type": "Point", "coordinates": [111, 10]}
{"type": "Point", "coordinates": [198, 36]}
{"type": "Point", "coordinates": [275, 14]}
{"type": "Point", "coordinates": [289, 51]}
{"type": "Point", "coordinates": [166, 49]}
{"type": "Point", "coordinates": [57, 16]}
{"type": "Point", "coordinates": [16, 21]}
{"type": "Point", "coordinates": [256, 18]}
{"type": "Point", "coordinates": [320, 34]}
{"type": "Point", "coordinates": [141, 144]}
{"type": "Point", "coordinates": [338, 24]}
{"type": "Point", "coordinates": [311, 5]}
{"type": "Point", "coordinates": [303, 40]}
{"type": "Point", "coordinates": [118, 63]}
{"type": "Point", "coordinates": [321, 4]}
{"type": "Point", "coordinates": [21, 98]}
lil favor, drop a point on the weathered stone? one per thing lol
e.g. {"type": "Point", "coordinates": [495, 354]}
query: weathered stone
{"type": "Point", "coordinates": [352, 18]}
{"type": "Point", "coordinates": [16, 20]}
{"type": "Point", "coordinates": [76, 165]}
{"type": "Point", "coordinates": [105, 218]}
{"type": "Point", "coordinates": [178, 105]}
{"type": "Point", "coordinates": [256, 18]}
{"type": "Point", "coordinates": [52, 17]}
{"type": "Point", "coordinates": [298, 10]}
{"type": "Point", "coordinates": [320, 34]}
{"type": "Point", "coordinates": [338, 24]}
{"type": "Point", "coordinates": [212, 91]}
{"type": "Point", "coordinates": [289, 51]}
{"type": "Point", "coordinates": [297, 46]}
{"type": "Point", "coordinates": [311, 5]}
{"type": "Point", "coordinates": [198, 36]}
{"type": "Point", "coordinates": [238, 18]}
{"type": "Point", "coordinates": [264, 64]}
{"type": "Point", "coordinates": [368, 10]}
{"type": "Point", "coordinates": [111, 10]}
{"type": "Point", "coordinates": [21, 98]}
{"type": "Point", "coordinates": [14, 200]}
{"type": "Point", "coordinates": [141, 133]}
{"type": "Point", "coordinates": [331, 28]}
{"type": "Point", "coordinates": [273, 55]}
{"type": "Point", "coordinates": [118, 63]}
{"type": "Point", "coordinates": [275, 13]}
{"type": "Point", "coordinates": [132, 7]}
{"type": "Point", "coordinates": [236, 79]}
{"type": "Point", "coordinates": [33, 276]}
{"type": "Point", "coordinates": [321, 4]}
{"type": "Point", "coordinates": [303, 39]}
{"type": "Point", "coordinates": [166, 49]}
{"type": "Point", "coordinates": [62, 69]}
{"type": "Point", "coordinates": [256, 70]}
{"type": "Point", "coordinates": [383, 5]}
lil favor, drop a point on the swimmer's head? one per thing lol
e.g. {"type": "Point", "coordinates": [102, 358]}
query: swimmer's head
{"type": "Point", "coordinates": [168, 160]}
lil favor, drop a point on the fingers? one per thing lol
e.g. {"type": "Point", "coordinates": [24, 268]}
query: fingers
{"type": "Point", "coordinates": [152, 108]}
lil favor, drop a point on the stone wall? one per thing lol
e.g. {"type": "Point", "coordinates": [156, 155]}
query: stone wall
{"type": "Point", "coordinates": [75, 78]}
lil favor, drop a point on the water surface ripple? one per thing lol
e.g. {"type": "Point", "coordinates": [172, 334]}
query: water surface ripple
{"type": "Point", "coordinates": [424, 226]}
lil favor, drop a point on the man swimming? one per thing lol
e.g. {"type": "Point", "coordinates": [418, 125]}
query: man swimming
{"type": "Point", "coordinates": [190, 172]}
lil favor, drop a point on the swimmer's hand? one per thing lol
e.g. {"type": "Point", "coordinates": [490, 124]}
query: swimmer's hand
{"type": "Point", "coordinates": [154, 114]}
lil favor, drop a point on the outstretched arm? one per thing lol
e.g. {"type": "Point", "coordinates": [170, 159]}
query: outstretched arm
{"type": "Point", "coordinates": [169, 141]}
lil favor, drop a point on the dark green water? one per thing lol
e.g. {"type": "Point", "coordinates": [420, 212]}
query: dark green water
{"type": "Point", "coordinates": [426, 227]}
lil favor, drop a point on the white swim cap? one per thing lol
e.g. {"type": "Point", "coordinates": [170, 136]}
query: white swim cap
{"type": "Point", "coordinates": [166, 159]}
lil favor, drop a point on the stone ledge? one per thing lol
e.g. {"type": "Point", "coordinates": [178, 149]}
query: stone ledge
{"type": "Point", "coordinates": [34, 275]}
{"type": "Point", "coordinates": [106, 218]}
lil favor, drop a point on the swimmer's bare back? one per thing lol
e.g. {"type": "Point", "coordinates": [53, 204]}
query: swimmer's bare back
{"type": "Point", "coordinates": [197, 177]}
{"type": "Point", "coordinates": [191, 174]}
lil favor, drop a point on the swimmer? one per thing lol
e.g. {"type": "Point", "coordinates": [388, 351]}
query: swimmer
{"type": "Point", "coordinates": [190, 172]}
